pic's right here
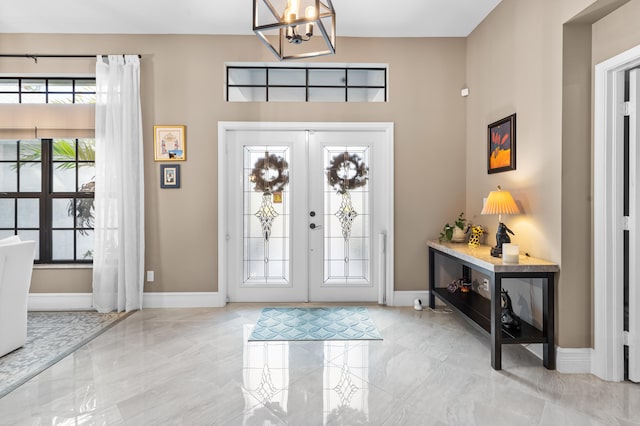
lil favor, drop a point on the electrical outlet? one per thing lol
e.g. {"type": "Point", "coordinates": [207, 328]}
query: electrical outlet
{"type": "Point", "coordinates": [150, 276]}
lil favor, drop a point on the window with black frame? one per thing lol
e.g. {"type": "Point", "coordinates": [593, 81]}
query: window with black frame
{"type": "Point", "coordinates": [47, 90]}
{"type": "Point", "coordinates": [47, 195]}
{"type": "Point", "coordinates": [301, 83]}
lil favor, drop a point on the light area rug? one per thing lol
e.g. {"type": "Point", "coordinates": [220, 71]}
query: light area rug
{"type": "Point", "coordinates": [335, 323]}
{"type": "Point", "coordinates": [51, 336]}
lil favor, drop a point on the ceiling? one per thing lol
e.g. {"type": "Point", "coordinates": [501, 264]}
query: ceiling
{"type": "Point", "coordinates": [355, 18]}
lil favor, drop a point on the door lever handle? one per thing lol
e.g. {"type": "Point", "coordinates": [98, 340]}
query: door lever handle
{"type": "Point", "coordinates": [314, 226]}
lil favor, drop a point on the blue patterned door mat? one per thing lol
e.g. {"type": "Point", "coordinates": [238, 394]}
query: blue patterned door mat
{"type": "Point", "coordinates": [339, 323]}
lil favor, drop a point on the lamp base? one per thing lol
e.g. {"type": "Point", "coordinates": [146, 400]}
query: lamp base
{"type": "Point", "coordinates": [501, 238]}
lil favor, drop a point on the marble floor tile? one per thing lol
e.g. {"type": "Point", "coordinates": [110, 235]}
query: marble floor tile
{"type": "Point", "coordinates": [196, 367]}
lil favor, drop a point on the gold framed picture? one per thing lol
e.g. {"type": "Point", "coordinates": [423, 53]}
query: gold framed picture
{"type": "Point", "coordinates": [169, 143]}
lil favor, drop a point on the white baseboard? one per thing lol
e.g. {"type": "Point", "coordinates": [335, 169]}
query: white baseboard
{"type": "Point", "coordinates": [60, 301]}
{"type": "Point", "coordinates": [568, 360]}
{"type": "Point", "coordinates": [406, 298]}
{"type": "Point", "coordinates": [183, 300]}
{"type": "Point", "coordinates": [573, 360]}
{"type": "Point", "coordinates": [84, 301]}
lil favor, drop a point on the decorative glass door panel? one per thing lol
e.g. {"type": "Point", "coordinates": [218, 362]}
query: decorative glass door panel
{"type": "Point", "coordinates": [347, 176]}
{"type": "Point", "coordinates": [346, 215]}
{"type": "Point", "coordinates": [266, 214]}
{"type": "Point", "coordinates": [267, 186]}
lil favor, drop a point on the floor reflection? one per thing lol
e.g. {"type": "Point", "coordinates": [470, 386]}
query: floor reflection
{"type": "Point", "coordinates": [340, 395]}
{"type": "Point", "coordinates": [345, 388]}
{"type": "Point", "coordinates": [265, 376]}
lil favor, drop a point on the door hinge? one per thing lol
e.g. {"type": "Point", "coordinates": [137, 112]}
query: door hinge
{"type": "Point", "coordinates": [625, 338]}
{"type": "Point", "coordinates": [628, 108]}
{"type": "Point", "coordinates": [626, 221]}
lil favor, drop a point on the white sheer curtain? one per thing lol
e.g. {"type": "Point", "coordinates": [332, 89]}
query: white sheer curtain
{"type": "Point", "coordinates": [118, 262]}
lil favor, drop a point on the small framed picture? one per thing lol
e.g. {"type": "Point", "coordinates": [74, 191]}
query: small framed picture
{"type": "Point", "coordinates": [169, 143]}
{"type": "Point", "coordinates": [501, 141]}
{"type": "Point", "coordinates": [169, 176]}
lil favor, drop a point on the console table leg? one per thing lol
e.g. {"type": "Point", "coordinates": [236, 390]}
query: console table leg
{"type": "Point", "coordinates": [432, 277]}
{"type": "Point", "coordinates": [496, 322]}
{"type": "Point", "coordinates": [548, 310]}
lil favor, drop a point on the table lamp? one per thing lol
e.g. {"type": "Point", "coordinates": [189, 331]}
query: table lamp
{"type": "Point", "coordinates": [500, 202]}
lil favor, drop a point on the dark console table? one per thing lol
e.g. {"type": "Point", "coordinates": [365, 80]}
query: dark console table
{"type": "Point", "coordinates": [485, 314]}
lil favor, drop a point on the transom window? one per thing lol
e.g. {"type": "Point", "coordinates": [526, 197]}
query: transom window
{"type": "Point", "coordinates": [46, 195]}
{"type": "Point", "coordinates": [36, 90]}
{"type": "Point", "coordinates": [250, 83]}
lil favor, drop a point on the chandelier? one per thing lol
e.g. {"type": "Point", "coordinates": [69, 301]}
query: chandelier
{"type": "Point", "coordinates": [296, 29]}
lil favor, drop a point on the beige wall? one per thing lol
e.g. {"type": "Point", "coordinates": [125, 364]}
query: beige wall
{"type": "Point", "coordinates": [617, 32]}
{"type": "Point", "coordinates": [59, 280]}
{"type": "Point", "coordinates": [514, 66]}
{"type": "Point", "coordinates": [182, 79]}
{"type": "Point", "coordinates": [575, 290]}
{"type": "Point", "coordinates": [524, 59]}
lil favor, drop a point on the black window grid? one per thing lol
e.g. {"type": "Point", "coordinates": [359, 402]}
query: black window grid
{"type": "Point", "coordinates": [46, 197]}
{"type": "Point", "coordinates": [75, 92]}
{"type": "Point", "coordinates": [346, 86]}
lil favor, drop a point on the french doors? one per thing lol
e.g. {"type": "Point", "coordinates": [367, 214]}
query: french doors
{"type": "Point", "coordinates": [306, 211]}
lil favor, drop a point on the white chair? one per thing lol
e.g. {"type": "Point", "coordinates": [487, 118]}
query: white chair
{"type": "Point", "coordinates": [16, 265]}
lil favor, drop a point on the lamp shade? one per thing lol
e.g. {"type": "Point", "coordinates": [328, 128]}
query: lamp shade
{"type": "Point", "coordinates": [500, 202]}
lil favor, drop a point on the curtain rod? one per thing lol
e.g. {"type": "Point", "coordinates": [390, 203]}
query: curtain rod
{"type": "Point", "coordinates": [36, 56]}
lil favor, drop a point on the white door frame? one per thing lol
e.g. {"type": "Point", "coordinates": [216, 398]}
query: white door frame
{"type": "Point", "coordinates": [607, 361]}
{"type": "Point", "coordinates": [385, 254]}
{"type": "Point", "coordinates": [633, 334]}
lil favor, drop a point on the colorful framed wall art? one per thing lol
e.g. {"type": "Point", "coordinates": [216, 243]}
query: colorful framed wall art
{"type": "Point", "coordinates": [501, 142]}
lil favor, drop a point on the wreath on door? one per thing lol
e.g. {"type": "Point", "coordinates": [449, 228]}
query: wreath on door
{"type": "Point", "coordinates": [347, 171]}
{"type": "Point", "coordinates": [270, 173]}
